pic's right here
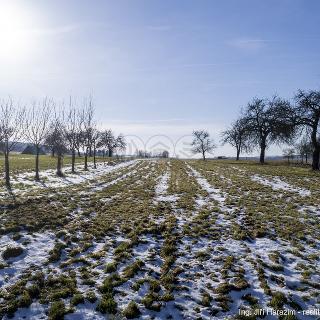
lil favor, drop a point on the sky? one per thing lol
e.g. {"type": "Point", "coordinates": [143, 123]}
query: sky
{"type": "Point", "coordinates": [159, 69]}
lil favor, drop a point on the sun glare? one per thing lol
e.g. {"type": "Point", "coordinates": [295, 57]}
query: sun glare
{"type": "Point", "coordinates": [14, 35]}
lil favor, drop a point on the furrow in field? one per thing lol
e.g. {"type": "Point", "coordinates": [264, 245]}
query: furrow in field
{"type": "Point", "coordinates": [277, 184]}
{"type": "Point", "coordinates": [164, 239]}
{"type": "Point", "coordinates": [267, 257]}
{"type": "Point", "coordinates": [194, 269]}
{"type": "Point", "coordinates": [78, 250]}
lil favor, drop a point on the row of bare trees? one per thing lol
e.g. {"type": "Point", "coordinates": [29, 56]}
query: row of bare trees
{"type": "Point", "coordinates": [64, 128]}
{"type": "Point", "coordinates": [276, 120]}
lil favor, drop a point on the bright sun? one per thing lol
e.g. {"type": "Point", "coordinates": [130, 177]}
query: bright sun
{"type": "Point", "coordinates": [14, 35]}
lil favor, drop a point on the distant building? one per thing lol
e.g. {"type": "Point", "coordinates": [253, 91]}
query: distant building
{"type": "Point", "coordinates": [31, 149]}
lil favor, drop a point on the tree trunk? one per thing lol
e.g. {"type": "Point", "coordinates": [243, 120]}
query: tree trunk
{"type": "Point", "coordinates": [315, 158]}
{"type": "Point", "coordinates": [316, 149]}
{"type": "Point", "coordinates": [59, 165]}
{"type": "Point", "coordinates": [79, 154]}
{"type": "Point", "coordinates": [94, 158]}
{"type": "Point", "coordinates": [90, 151]}
{"type": "Point", "coordinates": [110, 152]}
{"type": "Point", "coordinates": [7, 169]}
{"type": "Point", "coordinates": [306, 158]}
{"type": "Point", "coordinates": [238, 154]}
{"type": "Point", "coordinates": [73, 160]}
{"type": "Point", "coordinates": [203, 155]}
{"type": "Point", "coordinates": [262, 151]}
{"type": "Point", "coordinates": [86, 160]}
{"type": "Point", "coordinates": [37, 163]}
{"type": "Point", "coordinates": [52, 153]}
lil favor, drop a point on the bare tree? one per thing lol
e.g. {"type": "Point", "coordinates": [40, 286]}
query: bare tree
{"type": "Point", "coordinates": [57, 132]}
{"type": "Point", "coordinates": [12, 121]}
{"type": "Point", "coordinates": [80, 138]}
{"type": "Point", "coordinates": [120, 143]}
{"type": "Point", "coordinates": [237, 136]}
{"type": "Point", "coordinates": [111, 142]}
{"type": "Point", "coordinates": [96, 136]}
{"type": "Point", "coordinates": [88, 126]}
{"type": "Point", "coordinates": [268, 121]}
{"type": "Point", "coordinates": [202, 143]}
{"type": "Point", "coordinates": [307, 110]}
{"type": "Point", "coordinates": [304, 148]}
{"type": "Point", "coordinates": [288, 154]}
{"type": "Point", "coordinates": [73, 127]}
{"type": "Point", "coordinates": [143, 154]}
{"type": "Point", "coordinates": [50, 140]}
{"type": "Point", "coordinates": [37, 127]}
{"type": "Point", "coordinates": [108, 140]}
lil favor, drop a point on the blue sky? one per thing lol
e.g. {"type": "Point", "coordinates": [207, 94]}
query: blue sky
{"type": "Point", "coordinates": [160, 67]}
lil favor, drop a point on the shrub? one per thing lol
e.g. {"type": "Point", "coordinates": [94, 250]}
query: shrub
{"type": "Point", "coordinates": [55, 253]}
{"type": "Point", "coordinates": [11, 308]}
{"type": "Point", "coordinates": [57, 310]}
{"type": "Point", "coordinates": [132, 269]}
{"type": "Point", "coordinates": [107, 304]}
{"type": "Point", "coordinates": [278, 300]}
{"type": "Point", "coordinates": [240, 284]}
{"type": "Point", "coordinates": [12, 252]}
{"type": "Point", "coordinates": [77, 299]}
{"type": "Point", "coordinates": [154, 285]}
{"type": "Point", "coordinates": [122, 247]}
{"type": "Point", "coordinates": [34, 291]}
{"type": "Point", "coordinates": [61, 293]}
{"type": "Point", "coordinates": [25, 299]}
{"type": "Point", "coordinates": [110, 282]}
{"type": "Point", "coordinates": [223, 288]}
{"type": "Point", "coordinates": [91, 297]}
{"type": "Point", "coordinates": [169, 248]}
{"type": "Point", "coordinates": [111, 267]}
{"type": "Point", "coordinates": [149, 301]}
{"type": "Point", "coordinates": [39, 278]}
{"type": "Point", "coordinates": [131, 311]}
{"type": "Point", "coordinates": [250, 299]}
{"type": "Point", "coordinates": [202, 255]}
{"type": "Point", "coordinates": [167, 297]}
{"type": "Point", "coordinates": [206, 299]}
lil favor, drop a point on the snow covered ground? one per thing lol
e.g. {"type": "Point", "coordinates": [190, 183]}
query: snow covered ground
{"type": "Point", "coordinates": [24, 182]}
{"type": "Point", "coordinates": [159, 239]}
{"type": "Point", "coordinates": [277, 184]}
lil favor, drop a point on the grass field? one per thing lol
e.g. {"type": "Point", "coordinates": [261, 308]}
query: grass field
{"type": "Point", "coordinates": [162, 239]}
{"type": "Point", "coordinates": [25, 162]}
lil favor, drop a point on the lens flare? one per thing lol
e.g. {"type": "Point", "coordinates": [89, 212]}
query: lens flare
{"type": "Point", "coordinates": [15, 40]}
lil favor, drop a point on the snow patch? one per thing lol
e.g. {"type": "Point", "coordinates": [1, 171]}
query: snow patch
{"type": "Point", "coordinates": [36, 251]}
{"type": "Point", "coordinates": [277, 184]}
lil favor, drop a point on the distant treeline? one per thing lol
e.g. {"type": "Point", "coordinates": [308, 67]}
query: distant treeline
{"type": "Point", "coordinates": [276, 120]}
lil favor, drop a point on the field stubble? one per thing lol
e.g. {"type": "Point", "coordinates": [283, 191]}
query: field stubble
{"type": "Point", "coordinates": [162, 239]}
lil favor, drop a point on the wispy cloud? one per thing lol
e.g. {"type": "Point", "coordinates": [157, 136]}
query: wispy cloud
{"type": "Point", "coordinates": [60, 29]}
{"type": "Point", "coordinates": [248, 44]}
{"type": "Point", "coordinates": [55, 30]}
